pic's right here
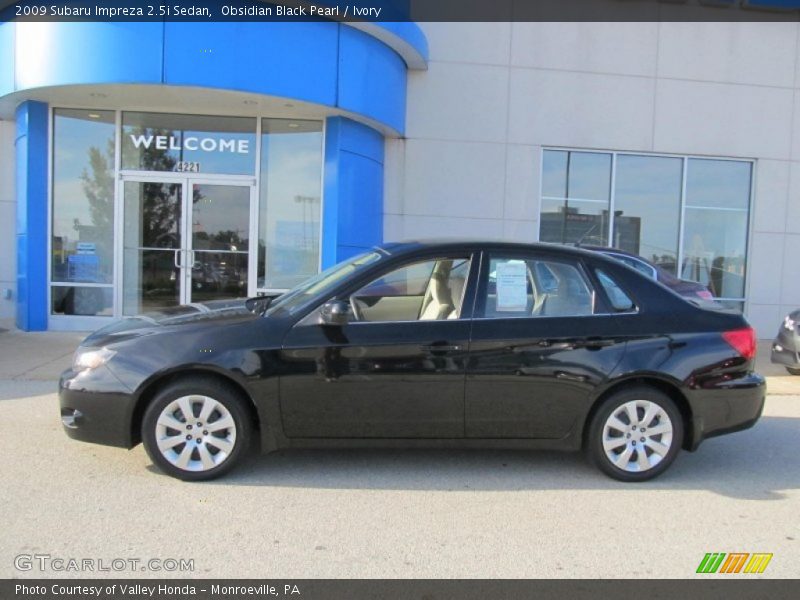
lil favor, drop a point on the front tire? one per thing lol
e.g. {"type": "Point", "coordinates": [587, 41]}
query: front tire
{"type": "Point", "coordinates": [636, 434]}
{"type": "Point", "coordinates": [196, 429]}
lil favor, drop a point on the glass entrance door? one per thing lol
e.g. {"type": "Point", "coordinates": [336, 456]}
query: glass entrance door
{"type": "Point", "coordinates": [185, 239]}
{"type": "Point", "coordinates": [220, 240]}
{"type": "Point", "coordinates": [152, 245]}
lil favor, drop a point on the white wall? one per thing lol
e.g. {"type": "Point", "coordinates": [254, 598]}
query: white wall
{"type": "Point", "coordinates": [495, 93]}
{"type": "Point", "coordinates": [8, 233]}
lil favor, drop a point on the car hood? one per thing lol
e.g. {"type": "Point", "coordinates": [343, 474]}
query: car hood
{"type": "Point", "coordinates": [180, 317]}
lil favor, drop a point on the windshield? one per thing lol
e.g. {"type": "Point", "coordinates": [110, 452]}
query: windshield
{"type": "Point", "coordinates": [320, 284]}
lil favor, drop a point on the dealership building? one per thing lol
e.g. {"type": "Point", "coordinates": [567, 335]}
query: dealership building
{"type": "Point", "coordinates": [144, 165]}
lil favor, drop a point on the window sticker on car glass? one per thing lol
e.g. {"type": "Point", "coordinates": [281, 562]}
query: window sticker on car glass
{"type": "Point", "coordinates": [512, 286]}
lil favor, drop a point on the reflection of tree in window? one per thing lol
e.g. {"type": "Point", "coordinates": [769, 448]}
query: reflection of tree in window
{"type": "Point", "coordinates": [161, 212]}
{"type": "Point", "coordinates": [223, 240]}
{"type": "Point", "coordinates": [148, 157]}
{"type": "Point", "coordinates": [99, 191]}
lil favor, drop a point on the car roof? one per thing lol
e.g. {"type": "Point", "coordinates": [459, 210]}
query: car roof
{"type": "Point", "coordinates": [458, 244]}
{"type": "Point", "coordinates": [608, 249]}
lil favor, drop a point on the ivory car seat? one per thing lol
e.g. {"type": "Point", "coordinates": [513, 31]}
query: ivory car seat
{"type": "Point", "coordinates": [457, 295]}
{"type": "Point", "coordinates": [438, 303]}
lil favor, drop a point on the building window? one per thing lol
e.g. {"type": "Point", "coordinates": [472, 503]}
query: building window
{"type": "Point", "coordinates": [82, 244]}
{"type": "Point", "coordinates": [647, 207]}
{"type": "Point", "coordinates": [688, 215]}
{"type": "Point", "coordinates": [289, 206]}
{"type": "Point", "coordinates": [191, 201]}
{"type": "Point", "coordinates": [576, 190]}
{"type": "Point", "coordinates": [716, 217]}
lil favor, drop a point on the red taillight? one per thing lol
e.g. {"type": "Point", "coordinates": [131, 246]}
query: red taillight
{"type": "Point", "coordinates": [705, 295]}
{"type": "Point", "coordinates": [743, 341]}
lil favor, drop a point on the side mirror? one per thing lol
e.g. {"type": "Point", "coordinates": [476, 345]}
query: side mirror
{"type": "Point", "coordinates": [335, 313]}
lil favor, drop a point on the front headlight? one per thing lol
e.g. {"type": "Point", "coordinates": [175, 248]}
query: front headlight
{"type": "Point", "coordinates": [91, 358]}
{"type": "Point", "coordinates": [789, 323]}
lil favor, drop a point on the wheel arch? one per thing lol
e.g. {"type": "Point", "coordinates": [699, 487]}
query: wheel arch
{"type": "Point", "coordinates": [669, 388]}
{"type": "Point", "coordinates": [150, 388]}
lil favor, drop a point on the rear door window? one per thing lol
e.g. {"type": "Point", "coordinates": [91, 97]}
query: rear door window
{"type": "Point", "coordinates": [531, 287]}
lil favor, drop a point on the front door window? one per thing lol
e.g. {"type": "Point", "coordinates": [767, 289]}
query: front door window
{"type": "Point", "coordinates": [432, 290]}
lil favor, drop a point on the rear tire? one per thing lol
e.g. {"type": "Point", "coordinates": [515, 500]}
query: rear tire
{"type": "Point", "coordinates": [793, 371]}
{"type": "Point", "coordinates": [636, 434]}
{"type": "Point", "coordinates": [197, 429]}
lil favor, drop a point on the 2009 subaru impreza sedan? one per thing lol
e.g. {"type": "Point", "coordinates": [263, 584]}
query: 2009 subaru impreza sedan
{"type": "Point", "coordinates": [442, 344]}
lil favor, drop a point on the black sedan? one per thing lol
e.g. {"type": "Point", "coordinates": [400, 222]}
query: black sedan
{"type": "Point", "coordinates": [425, 344]}
{"type": "Point", "coordinates": [786, 346]}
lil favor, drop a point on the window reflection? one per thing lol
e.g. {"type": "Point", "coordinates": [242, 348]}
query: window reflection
{"type": "Point", "coordinates": [589, 176]}
{"type": "Point", "coordinates": [715, 235]}
{"type": "Point", "coordinates": [289, 207]}
{"type": "Point", "coordinates": [83, 207]}
{"type": "Point", "coordinates": [718, 183]}
{"type": "Point", "coordinates": [576, 197]}
{"type": "Point", "coordinates": [654, 211]}
{"type": "Point", "coordinates": [151, 239]}
{"type": "Point", "coordinates": [647, 208]}
{"type": "Point", "coordinates": [570, 221]}
{"type": "Point", "coordinates": [220, 240]}
{"type": "Point", "coordinates": [84, 195]}
{"type": "Point", "coordinates": [554, 174]}
{"type": "Point", "coordinates": [714, 250]}
{"type": "Point", "coordinates": [85, 301]}
{"type": "Point", "coordinates": [220, 217]}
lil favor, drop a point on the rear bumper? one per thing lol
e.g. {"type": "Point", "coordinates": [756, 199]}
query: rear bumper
{"type": "Point", "coordinates": [96, 407]}
{"type": "Point", "coordinates": [729, 406]}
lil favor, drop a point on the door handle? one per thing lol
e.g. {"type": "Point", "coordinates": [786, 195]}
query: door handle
{"type": "Point", "coordinates": [556, 344]}
{"type": "Point", "coordinates": [175, 259]}
{"type": "Point", "coordinates": [437, 348]}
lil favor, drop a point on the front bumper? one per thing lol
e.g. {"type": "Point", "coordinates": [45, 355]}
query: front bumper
{"type": "Point", "coordinates": [96, 407]}
{"type": "Point", "coordinates": [729, 406]}
{"type": "Point", "coordinates": [785, 348]}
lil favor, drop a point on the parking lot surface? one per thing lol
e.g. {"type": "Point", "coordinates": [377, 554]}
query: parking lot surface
{"type": "Point", "coordinates": [359, 513]}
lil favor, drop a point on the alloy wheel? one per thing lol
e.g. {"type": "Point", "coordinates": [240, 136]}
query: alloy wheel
{"type": "Point", "coordinates": [637, 436]}
{"type": "Point", "coordinates": [195, 433]}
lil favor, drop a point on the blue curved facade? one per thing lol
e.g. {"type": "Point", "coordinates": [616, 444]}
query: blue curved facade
{"type": "Point", "coordinates": [326, 63]}
{"type": "Point", "coordinates": [355, 73]}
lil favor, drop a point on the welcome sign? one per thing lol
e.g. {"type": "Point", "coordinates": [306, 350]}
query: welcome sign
{"type": "Point", "coordinates": [193, 143]}
{"type": "Point", "coordinates": [189, 143]}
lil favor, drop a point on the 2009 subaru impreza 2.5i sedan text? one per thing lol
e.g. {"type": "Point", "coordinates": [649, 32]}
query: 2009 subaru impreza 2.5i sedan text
{"type": "Point", "coordinates": [459, 344]}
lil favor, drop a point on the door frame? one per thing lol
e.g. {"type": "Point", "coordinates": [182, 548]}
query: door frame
{"type": "Point", "coordinates": [185, 180]}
